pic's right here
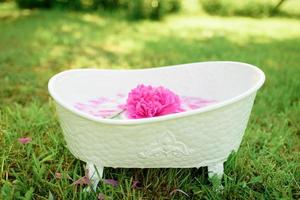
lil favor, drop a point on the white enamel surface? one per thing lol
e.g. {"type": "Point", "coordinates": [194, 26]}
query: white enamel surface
{"type": "Point", "coordinates": [200, 137]}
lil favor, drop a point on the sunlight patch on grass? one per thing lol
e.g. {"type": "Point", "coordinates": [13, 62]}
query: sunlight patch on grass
{"type": "Point", "coordinates": [8, 11]}
{"type": "Point", "coordinates": [236, 27]}
{"type": "Point", "coordinates": [92, 18]}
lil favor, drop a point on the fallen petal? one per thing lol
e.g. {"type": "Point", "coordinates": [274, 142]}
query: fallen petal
{"type": "Point", "coordinates": [122, 106]}
{"type": "Point", "coordinates": [82, 181]}
{"type": "Point", "coordinates": [101, 196]}
{"type": "Point", "coordinates": [111, 182]}
{"type": "Point", "coordinates": [58, 175]}
{"type": "Point", "coordinates": [136, 185]}
{"type": "Point", "coordinates": [121, 95]}
{"type": "Point", "coordinates": [25, 140]}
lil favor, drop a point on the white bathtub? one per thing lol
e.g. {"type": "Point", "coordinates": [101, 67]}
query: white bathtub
{"type": "Point", "coordinates": [196, 138]}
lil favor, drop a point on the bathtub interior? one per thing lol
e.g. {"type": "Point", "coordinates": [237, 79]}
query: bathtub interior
{"type": "Point", "coordinates": [218, 81]}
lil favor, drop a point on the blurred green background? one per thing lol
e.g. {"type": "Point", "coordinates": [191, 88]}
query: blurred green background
{"type": "Point", "coordinates": [156, 9]}
{"type": "Point", "coordinates": [39, 38]}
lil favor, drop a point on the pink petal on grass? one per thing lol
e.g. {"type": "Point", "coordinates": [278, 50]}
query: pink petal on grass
{"type": "Point", "coordinates": [111, 182]}
{"type": "Point", "coordinates": [136, 185]}
{"type": "Point", "coordinates": [58, 175]}
{"type": "Point", "coordinates": [82, 181]}
{"type": "Point", "coordinates": [101, 196]}
{"type": "Point", "coordinates": [25, 140]}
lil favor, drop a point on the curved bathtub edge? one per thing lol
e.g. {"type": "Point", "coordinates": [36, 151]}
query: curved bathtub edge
{"type": "Point", "coordinates": [160, 118]}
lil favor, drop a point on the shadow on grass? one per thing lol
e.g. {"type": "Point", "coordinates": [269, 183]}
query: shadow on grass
{"type": "Point", "coordinates": [287, 15]}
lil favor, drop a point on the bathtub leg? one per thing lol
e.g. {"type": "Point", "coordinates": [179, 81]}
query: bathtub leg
{"type": "Point", "coordinates": [215, 174]}
{"type": "Point", "coordinates": [95, 174]}
{"type": "Point", "coordinates": [216, 169]}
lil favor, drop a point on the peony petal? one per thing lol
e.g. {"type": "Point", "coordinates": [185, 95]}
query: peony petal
{"type": "Point", "coordinates": [58, 175]}
{"type": "Point", "coordinates": [136, 185]}
{"type": "Point", "coordinates": [83, 180]}
{"type": "Point", "coordinates": [101, 196]}
{"type": "Point", "coordinates": [121, 95]}
{"type": "Point", "coordinates": [111, 182]}
{"type": "Point", "coordinates": [122, 106]}
{"type": "Point", "coordinates": [25, 140]}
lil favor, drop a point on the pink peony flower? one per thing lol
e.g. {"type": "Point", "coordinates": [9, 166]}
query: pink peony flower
{"type": "Point", "coordinates": [147, 101]}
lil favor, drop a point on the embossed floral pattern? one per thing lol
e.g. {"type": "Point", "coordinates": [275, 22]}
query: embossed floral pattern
{"type": "Point", "coordinates": [166, 146]}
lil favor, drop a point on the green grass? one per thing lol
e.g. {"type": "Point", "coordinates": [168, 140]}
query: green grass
{"type": "Point", "coordinates": [34, 45]}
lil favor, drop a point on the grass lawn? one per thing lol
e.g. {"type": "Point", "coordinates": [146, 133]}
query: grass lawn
{"type": "Point", "coordinates": [34, 45]}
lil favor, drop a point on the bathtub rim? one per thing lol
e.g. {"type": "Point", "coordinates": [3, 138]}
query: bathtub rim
{"type": "Point", "coordinates": [253, 89]}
